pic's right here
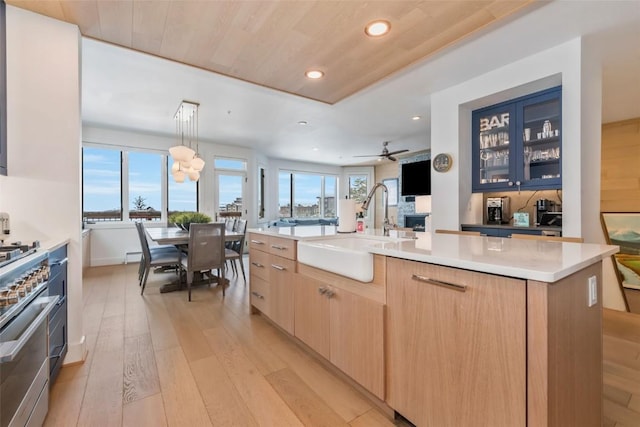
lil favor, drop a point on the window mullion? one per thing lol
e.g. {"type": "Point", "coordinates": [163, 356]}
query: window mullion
{"type": "Point", "coordinates": [124, 180]}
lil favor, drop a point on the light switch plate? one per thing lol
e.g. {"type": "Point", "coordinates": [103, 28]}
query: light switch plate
{"type": "Point", "coordinates": [592, 291]}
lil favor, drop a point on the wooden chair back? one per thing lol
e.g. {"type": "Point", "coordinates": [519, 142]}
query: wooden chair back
{"type": "Point", "coordinates": [468, 233]}
{"type": "Point", "coordinates": [547, 238]}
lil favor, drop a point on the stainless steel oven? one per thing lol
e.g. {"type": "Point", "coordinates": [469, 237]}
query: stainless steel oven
{"type": "Point", "coordinates": [24, 348]}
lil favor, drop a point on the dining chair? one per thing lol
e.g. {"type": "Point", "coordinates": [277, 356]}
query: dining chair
{"type": "Point", "coordinates": [159, 257]}
{"type": "Point", "coordinates": [206, 252]}
{"type": "Point", "coordinates": [467, 233]}
{"type": "Point", "coordinates": [234, 253]}
{"type": "Point", "coordinates": [547, 238]}
{"type": "Point", "coordinates": [152, 249]}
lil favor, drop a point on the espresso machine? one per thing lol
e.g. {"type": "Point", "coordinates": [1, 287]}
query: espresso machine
{"type": "Point", "coordinates": [543, 206]}
{"type": "Point", "coordinates": [498, 211]}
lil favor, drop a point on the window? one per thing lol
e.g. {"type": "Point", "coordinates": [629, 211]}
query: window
{"type": "Point", "coordinates": [358, 187]}
{"type": "Point", "coordinates": [145, 191]}
{"type": "Point", "coordinates": [231, 164]}
{"type": "Point", "coordinates": [261, 185]}
{"type": "Point", "coordinates": [181, 196]}
{"type": "Point", "coordinates": [305, 195]}
{"type": "Point", "coordinates": [120, 185]}
{"type": "Point", "coordinates": [101, 185]}
{"type": "Point", "coordinates": [284, 194]}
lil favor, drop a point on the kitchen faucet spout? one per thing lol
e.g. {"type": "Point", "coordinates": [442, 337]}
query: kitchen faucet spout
{"type": "Point", "coordinates": [367, 201]}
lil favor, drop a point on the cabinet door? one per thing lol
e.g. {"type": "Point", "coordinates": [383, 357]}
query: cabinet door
{"type": "Point", "coordinates": [282, 275]}
{"type": "Point", "coordinates": [455, 358]}
{"type": "Point", "coordinates": [493, 138]}
{"type": "Point", "coordinates": [539, 158]}
{"type": "Point", "coordinates": [357, 334]}
{"type": "Point", "coordinates": [312, 315]}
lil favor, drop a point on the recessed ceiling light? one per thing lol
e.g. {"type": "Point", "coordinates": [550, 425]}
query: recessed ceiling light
{"type": "Point", "coordinates": [315, 148]}
{"type": "Point", "coordinates": [416, 118]}
{"type": "Point", "coordinates": [303, 123]}
{"type": "Point", "coordinates": [377, 28]}
{"type": "Point", "coordinates": [314, 74]}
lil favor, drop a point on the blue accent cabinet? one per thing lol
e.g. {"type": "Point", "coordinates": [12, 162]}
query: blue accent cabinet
{"type": "Point", "coordinates": [517, 144]}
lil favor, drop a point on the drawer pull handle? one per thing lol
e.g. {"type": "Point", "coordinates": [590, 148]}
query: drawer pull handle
{"type": "Point", "coordinates": [257, 242]}
{"type": "Point", "coordinates": [280, 248]}
{"type": "Point", "coordinates": [278, 267]}
{"type": "Point", "coordinates": [453, 286]}
{"type": "Point", "coordinates": [257, 264]}
{"type": "Point", "coordinates": [330, 293]}
{"type": "Point", "coordinates": [322, 290]}
{"type": "Point", "coordinates": [257, 295]}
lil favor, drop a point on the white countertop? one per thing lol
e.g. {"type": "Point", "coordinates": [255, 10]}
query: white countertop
{"type": "Point", "coordinates": [545, 261]}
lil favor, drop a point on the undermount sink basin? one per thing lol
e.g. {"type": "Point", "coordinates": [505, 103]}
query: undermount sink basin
{"type": "Point", "coordinates": [344, 256]}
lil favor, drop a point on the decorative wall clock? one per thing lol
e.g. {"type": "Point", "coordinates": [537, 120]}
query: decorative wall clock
{"type": "Point", "coordinates": [442, 162]}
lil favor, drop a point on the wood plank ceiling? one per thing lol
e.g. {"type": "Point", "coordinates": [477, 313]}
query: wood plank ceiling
{"type": "Point", "coordinates": [273, 43]}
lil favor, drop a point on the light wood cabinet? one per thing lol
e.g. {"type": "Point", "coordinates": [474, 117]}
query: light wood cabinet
{"type": "Point", "coordinates": [272, 279]}
{"type": "Point", "coordinates": [456, 343]}
{"type": "Point", "coordinates": [345, 328]}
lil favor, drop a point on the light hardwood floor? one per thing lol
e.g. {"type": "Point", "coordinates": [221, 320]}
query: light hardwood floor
{"type": "Point", "coordinates": [621, 343]}
{"type": "Point", "coordinates": [157, 360]}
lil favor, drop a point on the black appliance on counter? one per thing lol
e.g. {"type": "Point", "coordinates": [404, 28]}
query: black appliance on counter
{"type": "Point", "coordinates": [542, 207]}
{"type": "Point", "coordinates": [415, 222]}
{"type": "Point", "coordinates": [498, 210]}
{"type": "Point", "coordinates": [24, 355]}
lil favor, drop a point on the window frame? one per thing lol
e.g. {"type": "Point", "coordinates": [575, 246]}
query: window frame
{"type": "Point", "coordinates": [292, 190]}
{"type": "Point", "coordinates": [124, 184]}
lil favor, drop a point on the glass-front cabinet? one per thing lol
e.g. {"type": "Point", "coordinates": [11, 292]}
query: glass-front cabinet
{"type": "Point", "coordinates": [517, 144]}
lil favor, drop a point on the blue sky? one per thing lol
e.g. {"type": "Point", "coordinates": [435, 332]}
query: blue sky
{"type": "Point", "coordinates": [307, 188]}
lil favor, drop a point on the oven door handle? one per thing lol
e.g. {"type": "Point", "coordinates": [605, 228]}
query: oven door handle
{"type": "Point", "coordinates": [9, 350]}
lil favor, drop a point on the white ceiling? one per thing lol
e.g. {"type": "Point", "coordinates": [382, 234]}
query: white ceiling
{"type": "Point", "coordinates": [125, 89]}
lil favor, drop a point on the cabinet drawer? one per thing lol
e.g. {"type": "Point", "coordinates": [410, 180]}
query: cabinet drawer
{"type": "Point", "coordinates": [259, 264]}
{"type": "Point", "coordinates": [282, 247]}
{"type": "Point", "coordinates": [57, 340]}
{"type": "Point", "coordinates": [259, 242]}
{"type": "Point", "coordinates": [279, 266]}
{"type": "Point", "coordinates": [260, 293]}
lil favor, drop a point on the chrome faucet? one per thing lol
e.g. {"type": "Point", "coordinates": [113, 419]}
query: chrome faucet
{"type": "Point", "coordinates": [386, 225]}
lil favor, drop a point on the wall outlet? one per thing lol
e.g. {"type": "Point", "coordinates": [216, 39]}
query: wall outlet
{"type": "Point", "coordinates": [592, 292]}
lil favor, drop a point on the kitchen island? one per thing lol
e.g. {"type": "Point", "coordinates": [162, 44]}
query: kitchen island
{"type": "Point", "coordinates": [451, 330]}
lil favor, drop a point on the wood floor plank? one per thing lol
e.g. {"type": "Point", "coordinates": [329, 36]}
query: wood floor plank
{"type": "Point", "coordinates": [140, 372]}
{"type": "Point", "coordinates": [614, 394]}
{"type": "Point", "coordinates": [264, 403]}
{"type": "Point", "coordinates": [621, 324]}
{"type": "Point", "coordinates": [303, 401]}
{"type": "Point", "coordinates": [621, 414]}
{"type": "Point", "coordinates": [183, 403]}
{"type": "Point", "coordinates": [223, 402]}
{"type": "Point", "coordinates": [634, 404]}
{"type": "Point", "coordinates": [258, 351]}
{"type": "Point", "coordinates": [338, 394]}
{"type": "Point", "coordinates": [617, 349]}
{"type": "Point", "coordinates": [192, 341]}
{"type": "Point", "coordinates": [162, 333]}
{"type": "Point", "coordinates": [375, 418]}
{"type": "Point", "coordinates": [147, 412]}
{"type": "Point", "coordinates": [68, 396]}
{"type": "Point", "coordinates": [102, 403]}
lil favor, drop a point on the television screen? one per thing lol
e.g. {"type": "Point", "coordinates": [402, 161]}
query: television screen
{"type": "Point", "coordinates": [416, 178]}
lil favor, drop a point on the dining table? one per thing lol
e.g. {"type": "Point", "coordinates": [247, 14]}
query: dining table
{"type": "Point", "coordinates": [178, 237]}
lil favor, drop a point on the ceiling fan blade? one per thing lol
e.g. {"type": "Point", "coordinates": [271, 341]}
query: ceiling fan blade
{"type": "Point", "coordinates": [393, 159]}
{"type": "Point", "coordinates": [370, 155]}
{"type": "Point", "coordinates": [397, 152]}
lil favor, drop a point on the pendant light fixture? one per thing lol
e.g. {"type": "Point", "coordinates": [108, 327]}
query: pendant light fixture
{"type": "Point", "coordinates": [186, 161]}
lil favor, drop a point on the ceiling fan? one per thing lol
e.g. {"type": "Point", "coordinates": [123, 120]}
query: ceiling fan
{"type": "Point", "coordinates": [385, 153]}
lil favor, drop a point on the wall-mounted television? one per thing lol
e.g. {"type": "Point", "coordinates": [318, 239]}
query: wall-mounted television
{"type": "Point", "coordinates": [416, 178]}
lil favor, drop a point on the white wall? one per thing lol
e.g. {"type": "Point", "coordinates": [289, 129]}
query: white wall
{"type": "Point", "coordinates": [42, 190]}
{"type": "Point", "coordinates": [570, 64]}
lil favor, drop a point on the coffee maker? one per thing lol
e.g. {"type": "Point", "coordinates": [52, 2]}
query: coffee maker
{"type": "Point", "coordinates": [543, 206]}
{"type": "Point", "coordinates": [498, 210]}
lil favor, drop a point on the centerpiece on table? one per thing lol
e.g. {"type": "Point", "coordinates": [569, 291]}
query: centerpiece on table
{"type": "Point", "coordinates": [184, 219]}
